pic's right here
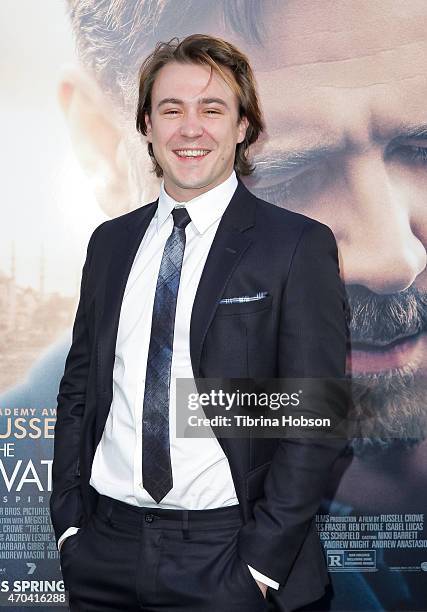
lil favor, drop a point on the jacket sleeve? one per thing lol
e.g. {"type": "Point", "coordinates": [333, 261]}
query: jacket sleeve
{"type": "Point", "coordinates": [65, 502]}
{"type": "Point", "coordinates": [312, 344]}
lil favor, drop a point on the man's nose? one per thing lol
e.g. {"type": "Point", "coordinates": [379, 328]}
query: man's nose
{"type": "Point", "coordinates": [191, 125]}
{"type": "Point", "coordinates": [378, 246]}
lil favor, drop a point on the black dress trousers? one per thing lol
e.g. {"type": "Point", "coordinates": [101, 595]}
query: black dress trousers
{"type": "Point", "coordinates": [130, 558]}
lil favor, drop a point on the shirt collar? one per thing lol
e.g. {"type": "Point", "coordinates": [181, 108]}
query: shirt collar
{"type": "Point", "coordinates": [204, 209]}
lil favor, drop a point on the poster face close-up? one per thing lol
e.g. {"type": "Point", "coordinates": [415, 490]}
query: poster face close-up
{"type": "Point", "coordinates": [342, 86]}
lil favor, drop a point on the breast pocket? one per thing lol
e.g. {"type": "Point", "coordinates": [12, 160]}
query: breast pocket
{"type": "Point", "coordinates": [242, 308]}
{"type": "Point", "coordinates": [234, 328]}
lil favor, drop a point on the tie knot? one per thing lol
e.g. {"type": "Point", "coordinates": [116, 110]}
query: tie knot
{"type": "Point", "coordinates": [181, 218]}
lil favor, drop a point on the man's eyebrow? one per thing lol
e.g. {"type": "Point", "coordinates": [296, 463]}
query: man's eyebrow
{"type": "Point", "coordinates": [213, 101]}
{"type": "Point", "coordinates": [282, 159]}
{"type": "Point", "coordinates": [200, 101]}
{"type": "Point", "coordinates": [169, 101]}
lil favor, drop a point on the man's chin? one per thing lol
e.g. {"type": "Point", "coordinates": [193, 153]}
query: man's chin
{"type": "Point", "coordinates": [388, 411]}
{"type": "Point", "coordinates": [189, 186]}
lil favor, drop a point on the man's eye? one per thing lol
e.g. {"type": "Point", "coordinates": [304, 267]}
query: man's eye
{"type": "Point", "coordinates": [416, 153]}
{"type": "Point", "coordinates": [212, 111]}
{"type": "Point", "coordinates": [412, 153]}
{"type": "Point", "coordinates": [171, 112]}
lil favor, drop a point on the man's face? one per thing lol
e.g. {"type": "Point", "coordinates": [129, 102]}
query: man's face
{"type": "Point", "coordinates": [343, 87]}
{"type": "Point", "coordinates": [194, 128]}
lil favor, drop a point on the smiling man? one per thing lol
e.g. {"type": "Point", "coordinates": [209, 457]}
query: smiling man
{"type": "Point", "coordinates": [207, 281]}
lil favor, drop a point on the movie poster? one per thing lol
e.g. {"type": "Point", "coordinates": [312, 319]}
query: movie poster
{"type": "Point", "coordinates": [28, 553]}
{"type": "Point", "coordinates": [49, 212]}
{"type": "Point", "coordinates": [343, 85]}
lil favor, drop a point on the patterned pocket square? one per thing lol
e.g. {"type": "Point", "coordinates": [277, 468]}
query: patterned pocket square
{"type": "Point", "coordinates": [245, 298]}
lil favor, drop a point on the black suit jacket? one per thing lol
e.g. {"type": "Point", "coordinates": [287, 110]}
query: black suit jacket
{"type": "Point", "coordinates": [299, 331]}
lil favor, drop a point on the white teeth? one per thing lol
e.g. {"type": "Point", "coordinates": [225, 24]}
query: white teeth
{"type": "Point", "coordinates": [192, 152]}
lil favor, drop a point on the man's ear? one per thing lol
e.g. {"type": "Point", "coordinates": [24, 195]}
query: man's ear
{"type": "Point", "coordinates": [148, 126]}
{"type": "Point", "coordinates": [97, 139]}
{"type": "Point", "coordinates": [243, 126]}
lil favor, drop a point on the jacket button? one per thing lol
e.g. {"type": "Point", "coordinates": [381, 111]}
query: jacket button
{"type": "Point", "coordinates": [149, 518]}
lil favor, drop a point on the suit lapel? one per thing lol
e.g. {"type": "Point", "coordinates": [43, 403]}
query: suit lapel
{"type": "Point", "coordinates": [123, 252]}
{"type": "Point", "coordinates": [228, 246]}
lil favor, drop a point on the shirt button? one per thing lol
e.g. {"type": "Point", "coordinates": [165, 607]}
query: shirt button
{"type": "Point", "coordinates": [149, 518]}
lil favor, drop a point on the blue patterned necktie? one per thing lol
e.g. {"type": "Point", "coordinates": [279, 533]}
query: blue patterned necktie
{"type": "Point", "coordinates": [156, 461]}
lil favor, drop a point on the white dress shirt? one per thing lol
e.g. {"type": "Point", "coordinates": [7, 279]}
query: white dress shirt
{"type": "Point", "coordinates": [201, 472]}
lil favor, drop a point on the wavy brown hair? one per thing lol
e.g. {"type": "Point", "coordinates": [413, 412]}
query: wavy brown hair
{"type": "Point", "coordinates": [218, 54]}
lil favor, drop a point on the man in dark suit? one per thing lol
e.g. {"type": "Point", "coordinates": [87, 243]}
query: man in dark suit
{"type": "Point", "coordinates": [207, 281]}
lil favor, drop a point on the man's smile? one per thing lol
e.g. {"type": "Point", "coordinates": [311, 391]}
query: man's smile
{"type": "Point", "coordinates": [191, 154]}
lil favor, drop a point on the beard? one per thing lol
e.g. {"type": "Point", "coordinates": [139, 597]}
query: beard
{"type": "Point", "coordinates": [388, 407]}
